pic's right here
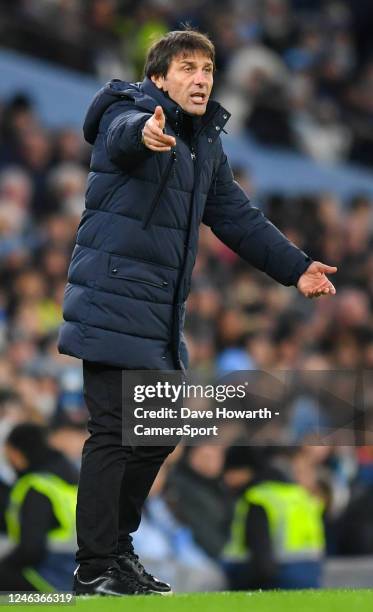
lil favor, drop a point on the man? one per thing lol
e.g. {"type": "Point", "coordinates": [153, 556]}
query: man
{"type": "Point", "coordinates": [157, 170]}
{"type": "Point", "coordinates": [39, 515]}
{"type": "Point", "coordinates": [195, 489]}
{"type": "Point", "coordinates": [277, 536]}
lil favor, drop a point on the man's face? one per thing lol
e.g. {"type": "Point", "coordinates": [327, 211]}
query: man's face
{"type": "Point", "coordinates": [188, 81]}
{"type": "Point", "coordinates": [15, 458]}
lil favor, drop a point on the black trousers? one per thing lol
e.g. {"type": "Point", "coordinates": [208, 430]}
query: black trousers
{"type": "Point", "coordinates": [114, 480]}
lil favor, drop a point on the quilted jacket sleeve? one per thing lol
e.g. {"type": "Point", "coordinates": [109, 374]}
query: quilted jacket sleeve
{"type": "Point", "coordinates": [123, 134]}
{"type": "Point", "coordinates": [248, 232]}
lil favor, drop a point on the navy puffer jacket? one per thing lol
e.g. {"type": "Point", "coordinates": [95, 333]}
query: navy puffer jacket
{"type": "Point", "coordinates": [136, 244]}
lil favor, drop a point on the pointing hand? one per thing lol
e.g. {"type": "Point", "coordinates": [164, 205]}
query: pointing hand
{"type": "Point", "coordinates": [153, 136]}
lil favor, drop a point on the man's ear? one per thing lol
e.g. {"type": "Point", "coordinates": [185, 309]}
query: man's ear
{"type": "Point", "coordinates": [158, 81]}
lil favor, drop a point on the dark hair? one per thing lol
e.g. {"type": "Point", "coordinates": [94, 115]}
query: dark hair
{"type": "Point", "coordinates": [244, 457]}
{"type": "Point", "coordinates": [31, 440]}
{"type": "Point", "coordinates": [176, 43]}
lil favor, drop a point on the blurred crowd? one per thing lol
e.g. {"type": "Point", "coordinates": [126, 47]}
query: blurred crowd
{"type": "Point", "coordinates": [294, 73]}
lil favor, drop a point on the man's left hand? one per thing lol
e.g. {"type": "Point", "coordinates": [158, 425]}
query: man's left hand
{"type": "Point", "coordinates": [314, 282]}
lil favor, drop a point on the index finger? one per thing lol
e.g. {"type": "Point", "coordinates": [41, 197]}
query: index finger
{"type": "Point", "coordinates": [329, 269]}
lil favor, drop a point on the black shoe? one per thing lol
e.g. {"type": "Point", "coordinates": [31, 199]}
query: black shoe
{"type": "Point", "coordinates": [129, 562]}
{"type": "Point", "coordinates": [111, 582]}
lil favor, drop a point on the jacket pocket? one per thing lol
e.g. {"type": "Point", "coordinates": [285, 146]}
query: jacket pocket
{"type": "Point", "coordinates": [135, 272]}
{"type": "Point", "coordinates": [162, 285]}
{"type": "Point", "coordinates": [160, 190]}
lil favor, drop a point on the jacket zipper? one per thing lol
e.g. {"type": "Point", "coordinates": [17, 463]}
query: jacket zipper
{"type": "Point", "coordinates": [162, 285]}
{"type": "Point", "coordinates": [161, 187]}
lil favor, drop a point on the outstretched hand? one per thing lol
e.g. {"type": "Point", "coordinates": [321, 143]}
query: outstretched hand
{"type": "Point", "coordinates": [314, 281]}
{"type": "Point", "coordinates": [152, 133]}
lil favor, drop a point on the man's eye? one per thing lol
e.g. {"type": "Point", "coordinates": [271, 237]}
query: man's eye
{"type": "Point", "coordinates": [187, 68]}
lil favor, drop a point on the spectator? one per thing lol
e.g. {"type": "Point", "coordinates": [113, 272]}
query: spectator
{"type": "Point", "coordinates": [194, 489]}
{"type": "Point", "coordinates": [169, 548]}
{"type": "Point", "coordinates": [40, 514]}
{"type": "Point", "coordinates": [277, 538]}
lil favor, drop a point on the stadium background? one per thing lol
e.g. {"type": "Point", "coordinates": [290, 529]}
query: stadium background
{"type": "Point", "coordinates": [298, 79]}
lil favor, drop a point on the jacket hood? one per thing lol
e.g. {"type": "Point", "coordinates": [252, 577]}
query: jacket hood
{"type": "Point", "coordinates": [112, 92]}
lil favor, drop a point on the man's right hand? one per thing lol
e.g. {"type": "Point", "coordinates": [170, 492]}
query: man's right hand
{"type": "Point", "coordinates": [152, 133]}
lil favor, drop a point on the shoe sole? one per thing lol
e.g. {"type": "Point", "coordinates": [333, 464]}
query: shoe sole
{"type": "Point", "coordinates": [89, 595]}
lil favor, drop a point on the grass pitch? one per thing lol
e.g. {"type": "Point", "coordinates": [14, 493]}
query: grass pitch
{"type": "Point", "coordinates": [270, 601]}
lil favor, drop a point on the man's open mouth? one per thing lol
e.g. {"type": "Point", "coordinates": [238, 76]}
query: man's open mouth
{"type": "Point", "coordinates": [199, 98]}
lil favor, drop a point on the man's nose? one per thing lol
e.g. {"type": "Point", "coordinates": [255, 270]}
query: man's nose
{"type": "Point", "coordinates": [200, 78]}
